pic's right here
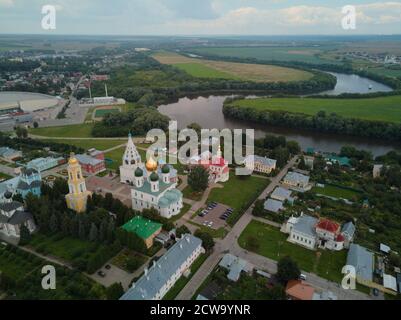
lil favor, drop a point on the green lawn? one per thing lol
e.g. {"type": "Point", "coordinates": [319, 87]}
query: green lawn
{"type": "Point", "coordinates": [4, 176]}
{"type": "Point", "coordinates": [100, 113]}
{"type": "Point", "coordinates": [386, 109]}
{"type": "Point", "coordinates": [129, 260]}
{"type": "Point", "coordinates": [190, 194]}
{"type": "Point", "coordinates": [202, 71]}
{"type": "Point", "coordinates": [87, 144]}
{"type": "Point", "coordinates": [285, 53]}
{"type": "Point", "coordinates": [336, 192]}
{"type": "Point", "coordinates": [238, 193]}
{"type": "Point", "coordinates": [66, 248]}
{"type": "Point", "coordinates": [72, 131]}
{"type": "Point", "coordinates": [273, 244]}
{"type": "Point", "coordinates": [17, 264]}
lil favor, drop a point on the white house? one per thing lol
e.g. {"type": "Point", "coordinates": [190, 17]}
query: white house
{"type": "Point", "coordinates": [297, 181]}
{"type": "Point", "coordinates": [13, 216]}
{"type": "Point", "coordinates": [260, 164]}
{"type": "Point", "coordinates": [311, 233]}
{"type": "Point", "coordinates": [166, 271]}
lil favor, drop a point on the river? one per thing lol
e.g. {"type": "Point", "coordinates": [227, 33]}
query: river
{"type": "Point", "coordinates": [207, 111]}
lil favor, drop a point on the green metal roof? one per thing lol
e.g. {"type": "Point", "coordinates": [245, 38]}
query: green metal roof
{"type": "Point", "coordinates": [144, 228]}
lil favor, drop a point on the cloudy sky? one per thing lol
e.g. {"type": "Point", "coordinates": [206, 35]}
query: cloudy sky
{"type": "Point", "coordinates": [201, 17]}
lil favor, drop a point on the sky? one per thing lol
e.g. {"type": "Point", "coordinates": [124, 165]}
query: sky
{"type": "Point", "coordinates": [200, 17]}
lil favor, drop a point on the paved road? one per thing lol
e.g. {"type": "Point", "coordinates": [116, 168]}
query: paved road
{"type": "Point", "coordinates": [230, 244]}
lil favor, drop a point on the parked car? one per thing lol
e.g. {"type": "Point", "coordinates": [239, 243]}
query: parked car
{"type": "Point", "coordinates": [302, 277]}
{"type": "Point", "coordinates": [101, 274]}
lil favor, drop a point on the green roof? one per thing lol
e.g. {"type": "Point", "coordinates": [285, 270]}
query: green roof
{"type": "Point", "coordinates": [144, 228]}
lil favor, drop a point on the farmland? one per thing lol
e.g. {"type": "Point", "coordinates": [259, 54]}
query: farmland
{"type": "Point", "coordinates": [229, 70]}
{"type": "Point", "coordinates": [285, 53]}
{"type": "Point", "coordinates": [387, 109]}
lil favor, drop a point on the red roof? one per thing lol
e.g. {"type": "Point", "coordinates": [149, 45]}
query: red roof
{"type": "Point", "coordinates": [299, 290]}
{"type": "Point", "coordinates": [328, 225]}
{"type": "Point", "coordinates": [219, 162]}
{"type": "Point", "coordinates": [340, 238]}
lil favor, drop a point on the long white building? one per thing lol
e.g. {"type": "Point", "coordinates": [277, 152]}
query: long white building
{"type": "Point", "coordinates": [165, 272]}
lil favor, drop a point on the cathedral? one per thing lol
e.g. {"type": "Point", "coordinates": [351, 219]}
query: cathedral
{"type": "Point", "coordinates": [78, 194]}
{"type": "Point", "coordinates": [153, 184]}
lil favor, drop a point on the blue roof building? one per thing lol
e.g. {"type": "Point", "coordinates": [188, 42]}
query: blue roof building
{"type": "Point", "coordinates": [165, 272]}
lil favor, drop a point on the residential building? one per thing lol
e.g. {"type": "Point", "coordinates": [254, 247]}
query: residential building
{"type": "Point", "coordinates": [78, 194]}
{"type": "Point", "coordinates": [309, 162]}
{"type": "Point", "coordinates": [235, 266]}
{"type": "Point", "coordinates": [43, 164]}
{"type": "Point", "coordinates": [377, 170]}
{"type": "Point", "coordinates": [282, 194]}
{"type": "Point", "coordinates": [146, 229]}
{"type": "Point", "coordinates": [363, 262]}
{"type": "Point", "coordinates": [311, 233]}
{"type": "Point", "coordinates": [299, 290]}
{"type": "Point", "coordinates": [260, 164]}
{"type": "Point", "coordinates": [91, 165]}
{"type": "Point", "coordinates": [297, 181]}
{"type": "Point", "coordinates": [13, 216]}
{"type": "Point", "coordinates": [30, 181]}
{"type": "Point", "coordinates": [166, 271]}
{"type": "Point", "coordinates": [273, 205]}
{"type": "Point", "coordinates": [216, 165]}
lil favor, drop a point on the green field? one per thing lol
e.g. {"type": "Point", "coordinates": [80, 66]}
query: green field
{"type": "Point", "coordinates": [4, 176]}
{"type": "Point", "coordinates": [202, 68]}
{"type": "Point", "coordinates": [285, 53]}
{"type": "Point", "coordinates": [100, 113]}
{"type": "Point", "coordinates": [387, 109]}
{"type": "Point", "coordinates": [336, 192]}
{"type": "Point", "coordinates": [72, 131]}
{"type": "Point", "coordinates": [273, 244]}
{"type": "Point", "coordinates": [237, 193]}
{"type": "Point", "coordinates": [88, 144]}
{"type": "Point", "coordinates": [202, 71]}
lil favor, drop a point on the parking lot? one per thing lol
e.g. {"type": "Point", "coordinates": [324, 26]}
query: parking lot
{"type": "Point", "coordinates": [212, 216]}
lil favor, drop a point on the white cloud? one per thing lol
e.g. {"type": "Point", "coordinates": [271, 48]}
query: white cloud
{"type": "Point", "coordinates": [6, 3]}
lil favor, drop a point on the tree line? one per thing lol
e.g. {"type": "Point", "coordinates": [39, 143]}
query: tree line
{"type": "Point", "coordinates": [321, 122]}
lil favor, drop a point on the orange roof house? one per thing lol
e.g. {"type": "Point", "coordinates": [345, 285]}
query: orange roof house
{"type": "Point", "coordinates": [299, 290]}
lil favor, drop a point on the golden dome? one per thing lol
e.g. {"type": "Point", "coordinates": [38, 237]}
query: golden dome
{"type": "Point", "coordinates": [72, 159]}
{"type": "Point", "coordinates": [151, 164]}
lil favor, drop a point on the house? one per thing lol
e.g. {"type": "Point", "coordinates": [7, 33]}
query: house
{"type": "Point", "coordinates": [384, 248]}
{"type": "Point", "coordinates": [299, 290]}
{"type": "Point", "coordinates": [282, 194]}
{"type": "Point", "coordinates": [216, 165]}
{"type": "Point", "coordinates": [235, 266]}
{"type": "Point", "coordinates": [166, 271]}
{"type": "Point", "coordinates": [297, 181]}
{"type": "Point", "coordinates": [9, 154]}
{"type": "Point", "coordinates": [309, 162]}
{"type": "Point", "coordinates": [348, 231]}
{"type": "Point", "coordinates": [94, 153]}
{"type": "Point", "coordinates": [273, 205]}
{"type": "Point", "coordinates": [377, 170]}
{"type": "Point", "coordinates": [13, 216]}
{"type": "Point", "coordinates": [302, 231]}
{"type": "Point", "coordinates": [363, 262]}
{"type": "Point", "coordinates": [43, 164]}
{"type": "Point", "coordinates": [311, 232]}
{"type": "Point", "coordinates": [30, 181]}
{"type": "Point", "coordinates": [399, 282]}
{"type": "Point", "coordinates": [390, 282]}
{"type": "Point", "coordinates": [91, 165]}
{"type": "Point", "coordinates": [146, 229]}
{"type": "Point", "coordinates": [334, 159]}
{"type": "Point", "coordinates": [260, 164]}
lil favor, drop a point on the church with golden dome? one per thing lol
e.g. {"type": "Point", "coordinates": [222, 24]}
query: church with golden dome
{"type": "Point", "coordinates": [78, 194]}
{"type": "Point", "coordinates": [153, 184]}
